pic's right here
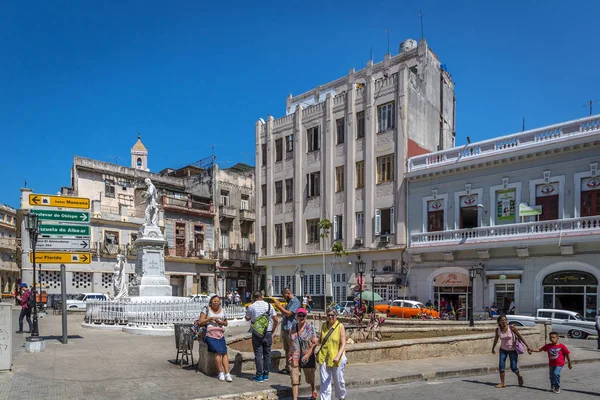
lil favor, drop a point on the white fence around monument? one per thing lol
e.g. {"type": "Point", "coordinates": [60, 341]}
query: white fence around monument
{"type": "Point", "coordinates": [151, 313]}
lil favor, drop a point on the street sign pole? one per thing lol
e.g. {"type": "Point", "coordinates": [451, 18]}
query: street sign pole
{"type": "Point", "coordinates": [63, 302]}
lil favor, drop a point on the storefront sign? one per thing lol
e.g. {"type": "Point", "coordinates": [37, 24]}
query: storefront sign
{"type": "Point", "coordinates": [241, 283]}
{"type": "Point", "coordinates": [468, 201]}
{"type": "Point", "coordinates": [505, 205]}
{"type": "Point", "coordinates": [588, 184]}
{"type": "Point", "coordinates": [529, 211]}
{"type": "Point", "coordinates": [451, 279]}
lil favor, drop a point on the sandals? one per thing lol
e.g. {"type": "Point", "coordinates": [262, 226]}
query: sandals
{"type": "Point", "coordinates": [500, 386]}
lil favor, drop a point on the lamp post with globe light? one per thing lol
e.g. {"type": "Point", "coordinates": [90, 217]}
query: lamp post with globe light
{"type": "Point", "coordinates": [360, 270]}
{"type": "Point", "coordinates": [32, 223]}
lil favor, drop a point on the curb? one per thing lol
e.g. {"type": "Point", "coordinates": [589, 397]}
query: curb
{"type": "Point", "coordinates": [274, 394]}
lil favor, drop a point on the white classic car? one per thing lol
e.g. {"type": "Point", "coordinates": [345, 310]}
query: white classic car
{"type": "Point", "coordinates": [79, 302]}
{"type": "Point", "coordinates": [563, 322]}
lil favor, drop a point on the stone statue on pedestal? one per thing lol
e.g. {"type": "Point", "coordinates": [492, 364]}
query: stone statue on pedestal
{"type": "Point", "coordinates": [120, 283]}
{"type": "Point", "coordinates": [151, 196]}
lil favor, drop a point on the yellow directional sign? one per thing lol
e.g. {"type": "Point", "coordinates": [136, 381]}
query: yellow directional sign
{"type": "Point", "coordinates": [60, 258]}
{"type": "Point", "coordinates": [45, 200]}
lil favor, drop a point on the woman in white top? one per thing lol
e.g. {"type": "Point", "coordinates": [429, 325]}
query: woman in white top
{"type": "Point", "coordinates": [215, 320]}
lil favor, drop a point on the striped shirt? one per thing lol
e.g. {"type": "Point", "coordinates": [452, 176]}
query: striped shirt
{"type": "Point", "coordinates": [259, 308]}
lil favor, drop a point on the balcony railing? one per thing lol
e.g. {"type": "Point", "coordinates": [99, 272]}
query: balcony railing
{"type": "Point", "coordinates": [502, 145]}
{"type": "Point", "coordinates": [247, 215]}
{"type": "Point", "coordinates": [526, 230]}
{"type": "Point", "coordinates": [233, 254]}
{"type": "Point", "coordinates": [111, 250]}
{"type": "Point", "coordinates": [227, 211]}
{"type": "Point", "coordinates": [8, 243]}
{"type": "Point", "coordinates": [187, 204]}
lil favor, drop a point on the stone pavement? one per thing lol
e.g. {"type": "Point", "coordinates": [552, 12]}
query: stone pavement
{"type": "Point", "coordinates": [116, 365]}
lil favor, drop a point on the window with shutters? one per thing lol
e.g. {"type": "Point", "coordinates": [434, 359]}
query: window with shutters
{"type": "Point", "coordinates": [360, 225]}
{"type": "Point", "coordinates": [384, 221]}
{"type": "Point", "coordinates": [289, 143]}
{"type": "Point", "coordinates": [312, 135]}
{"type": "Point", "coordinates": [339, 129]}
{"type": "Point", "coordinates": [360, 174]}
{"type": "Point", "coordinates": [338, 227]}
{"type": "Point", "coordinates": [263, 237]}
{"type": "Point", "coordinates": [547, 197]}
{"type": "Point", "coordinates": [278, 192]}
{"type": "Point", "coordinates": [289, 233]}
{"type": "Point", "coordinates": [386, 117]}
{"type": "Point", "coordinates": [245, 202]}
{"type": "Point", "coordinates": [263, 151]}
{"type": "Point", "coordinates": [313, 184]}
{"type": "Point", "coordinates": [224, 239]}
{"type": "Point", "coordinates": [289, 190]}
{"type": "Point", "coordinates": [590, 196]}
{"type": "Point", "coordinates": [360, 125]}
{"type": "Point", "coordinates": [263, 195]}
{"type": "Point", "coordinates": [278, 150]}
{"type": "Point", "coordinates": [385, 168]}
{"type": "Point", "coordinates": [312, 230]}
{"type": "Point", "coordinates": [339, 179]}
{"type": "Point", "coordinates": [278, 235]}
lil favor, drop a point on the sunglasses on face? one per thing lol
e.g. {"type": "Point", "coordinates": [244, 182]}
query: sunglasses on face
{"type": "Point", "coordinates": [331, 315]}
{"type": "Point", "coordinates": [301, 315]}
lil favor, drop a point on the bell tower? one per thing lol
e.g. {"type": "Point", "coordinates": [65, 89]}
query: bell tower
{"type": "Point", "coordinates": [139, 155]}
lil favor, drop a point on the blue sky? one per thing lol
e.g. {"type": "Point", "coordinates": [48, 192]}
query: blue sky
{"type": "Point", "coordinates": [82, 78]}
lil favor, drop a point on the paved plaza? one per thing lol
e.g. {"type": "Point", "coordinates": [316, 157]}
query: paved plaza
{"type": "Point", "coordinates": [116, 365]}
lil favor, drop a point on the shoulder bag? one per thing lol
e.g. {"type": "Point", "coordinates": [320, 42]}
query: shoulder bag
{"type": "Point", "coordinates": [312, 360]}
{"type": "Point", "coordinates": [518, 343]}
{"type": "Point", "coordinates": [333, 328]}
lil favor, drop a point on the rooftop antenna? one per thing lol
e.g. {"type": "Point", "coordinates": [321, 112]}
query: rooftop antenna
{"type": "Point", "coordinates": [421, 15]}
{"type": "Point", "coordinates": [25, 184]}
{"type": "Point", "coordinates": [388, 33]}
{"type": "Point", "coordinates": [523, 127]}
{"type": "Point", "coordinates": [371, 53]}
{"type": "Point", "coordinates": [591, 104]}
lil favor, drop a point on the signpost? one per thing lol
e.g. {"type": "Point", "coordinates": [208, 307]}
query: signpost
{"type": "Point", "coordinates": [60, 257]}
{"type": "Point", "coordinates": [44, 200]}
{"type": "Point", "coordinates": [62, 244]}
{"type": "Point", "coordinates": [529, 211]}
{"type": "Point", "coordinates": [64, 229]}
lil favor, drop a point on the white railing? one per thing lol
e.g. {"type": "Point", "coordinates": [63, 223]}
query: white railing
{"type": "Point", "coordinates": [147, 313]}
{"type": "Point", "coordinates": [506, 143]}
{"type": "Point", "coordinates": [526, 230]}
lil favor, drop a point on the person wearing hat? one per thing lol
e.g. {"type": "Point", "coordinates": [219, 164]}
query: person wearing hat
{"type": "Point", "coordinates": [303, 341]}
{"type": "Point", "coordinates": [25, 310]}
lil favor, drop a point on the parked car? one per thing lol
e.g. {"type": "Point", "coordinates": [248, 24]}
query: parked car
{"type": "Point", "coordinates": [406, 309]}
{"type": "Point", "coordinates": [345, 307]}
{"type": "Point", "coordinates": [201, 298]}
{"type": "Point", "coordinates": [563, 322]}
{"type": "Point", "coordinates": [271, 300]}
{"type": "Point", "coordinates": [79, 302]}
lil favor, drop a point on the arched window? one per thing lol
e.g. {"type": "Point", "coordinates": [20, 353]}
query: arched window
{"type": "Point", "coordinates": [572, 290]}
{"type": "Point", "coordinates": [139, 162]}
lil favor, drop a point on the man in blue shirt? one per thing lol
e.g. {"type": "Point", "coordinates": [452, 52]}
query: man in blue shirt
{"type": "Point", "coordinates": [289, 321]}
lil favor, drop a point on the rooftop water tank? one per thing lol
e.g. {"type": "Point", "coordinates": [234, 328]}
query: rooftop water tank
{"type": "Point", "coordinates": [408, 44]}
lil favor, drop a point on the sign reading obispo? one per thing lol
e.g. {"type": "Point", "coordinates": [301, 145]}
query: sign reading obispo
{"type": "Point", "coordinates": [63, 216]}
{"type": "Point", "coordinates": [44, 200]}
{"type": "Point", "coordinates": [61, 258]}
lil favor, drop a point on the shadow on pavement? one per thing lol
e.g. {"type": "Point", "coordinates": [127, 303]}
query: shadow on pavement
{"type": "Point", "coordinates": [493, 384]}
{"type": "Point", "coordinates": [59, 338]}
{"type": "Point", "coordinates": [579, 391]}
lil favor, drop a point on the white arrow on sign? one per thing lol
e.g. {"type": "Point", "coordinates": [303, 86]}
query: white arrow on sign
{"type": "Point", "coordinates": [63, 244]}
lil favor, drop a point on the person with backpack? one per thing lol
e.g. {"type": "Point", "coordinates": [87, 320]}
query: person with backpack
{"type": "Point", "coordinates": [263, 320]}
{"type": "Point", "coordinates": [27, 302]}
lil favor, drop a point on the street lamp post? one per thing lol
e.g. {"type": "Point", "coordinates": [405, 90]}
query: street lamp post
{"type": "Point", "coordinates": [253, 257]}
{"type": "Point", "coordinates": [360, 270]}
{"type": "Point", "coordinates": [32, 222]}
{"type": "Point", "coordinates": [223, 275]}
{"type": "Point", "coordinates": [302, 275]}
{"type": "Point", "coordinates": [373, 271]}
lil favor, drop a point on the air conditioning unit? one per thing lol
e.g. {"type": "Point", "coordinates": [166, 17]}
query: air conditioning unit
{"type": "Point", "coordinates": [359, 241]}
{"type": "Point", "coordinates": [384, 239]}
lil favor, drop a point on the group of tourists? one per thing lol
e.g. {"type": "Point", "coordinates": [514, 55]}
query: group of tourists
{"type": "Point", "coordinates": [299, 338]}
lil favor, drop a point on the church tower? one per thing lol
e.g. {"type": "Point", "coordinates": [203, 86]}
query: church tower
{"type": "Point", "coordinates": [139, 155]}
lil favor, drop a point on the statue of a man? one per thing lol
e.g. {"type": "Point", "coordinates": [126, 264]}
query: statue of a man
{"type": "Point", "coordinates": [120, 283]}
{"type": "Point", "coordinates": [151, 196]}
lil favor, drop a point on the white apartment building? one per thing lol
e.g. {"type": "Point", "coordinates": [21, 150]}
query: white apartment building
{"type": "Point", "coordinates": [9, 270]}
{"type": "Point", "coordinates": [340, 154]}
{"type": "Point", "coordinates": [475, 206]}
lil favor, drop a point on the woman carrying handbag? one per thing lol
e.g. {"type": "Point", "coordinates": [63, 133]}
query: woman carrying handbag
{"type": "Point", "coordinates": [511, 345]}
{"type": "Point", "coordinates": [332, 357]}
{"type": "Point", "coordinates": [303, 341]}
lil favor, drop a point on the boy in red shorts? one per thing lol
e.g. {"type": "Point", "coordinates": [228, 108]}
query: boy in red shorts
{"type": "Point", "coordinates": [557, 352]}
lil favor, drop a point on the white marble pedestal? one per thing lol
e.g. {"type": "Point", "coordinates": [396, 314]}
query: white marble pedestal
{"type": "Point", "coordinates": [150, 264]}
